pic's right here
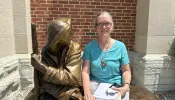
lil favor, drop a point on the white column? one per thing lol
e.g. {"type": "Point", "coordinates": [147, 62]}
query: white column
{"type": "Point", "coordinates": [6, 29]}
{"type": "Point", "coordinates": [152, 67]}
{"type": "Point", "coordinates": [22, 26]}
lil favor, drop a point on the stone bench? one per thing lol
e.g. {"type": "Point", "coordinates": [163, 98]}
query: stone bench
{"type": "Point", "coordinates": [136, 93]}
{"type": "Point", "coordinates": [141, 93]}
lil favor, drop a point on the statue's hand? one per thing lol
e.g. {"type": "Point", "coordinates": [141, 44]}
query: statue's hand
{"type": "Point", "coordinates": [35, 62]}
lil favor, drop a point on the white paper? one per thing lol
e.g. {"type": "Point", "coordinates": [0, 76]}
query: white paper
{"type": "Point", "coordinates": [100, 92]}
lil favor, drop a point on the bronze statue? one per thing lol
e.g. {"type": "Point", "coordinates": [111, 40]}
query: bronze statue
{"type": "Point", "coordinates": [60, 64]}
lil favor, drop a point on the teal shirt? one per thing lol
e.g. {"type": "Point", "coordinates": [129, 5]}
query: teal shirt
{"type": "Point", "coordinates": [115, 57]}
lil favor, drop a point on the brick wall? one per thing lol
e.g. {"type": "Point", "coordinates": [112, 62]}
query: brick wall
{"type": "Point", "coordinates": [83, 13]}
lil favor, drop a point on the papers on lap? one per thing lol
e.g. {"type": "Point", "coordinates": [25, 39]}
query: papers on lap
{"type": "Point", "coordinates": [100, 93]}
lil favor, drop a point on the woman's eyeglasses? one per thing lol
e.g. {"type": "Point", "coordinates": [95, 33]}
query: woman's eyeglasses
{"type": "Point", "coordinates": [104, 24]}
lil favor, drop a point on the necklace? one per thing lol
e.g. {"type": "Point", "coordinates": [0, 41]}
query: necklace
{"type": "Point", "coordinates": [102, 59]}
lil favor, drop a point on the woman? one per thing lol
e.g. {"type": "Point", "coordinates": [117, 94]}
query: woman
{"type": "Point", "coordinates": [59, 77]}
{"type": "Point", "coordinates": [105, 60]}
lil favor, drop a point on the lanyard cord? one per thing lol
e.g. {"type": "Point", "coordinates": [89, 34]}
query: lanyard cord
{"type": "Point", "coordinates": [102, 58]}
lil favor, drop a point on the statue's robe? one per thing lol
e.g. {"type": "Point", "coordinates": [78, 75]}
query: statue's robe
{"type": "Point", "coordinates": [60, 64]}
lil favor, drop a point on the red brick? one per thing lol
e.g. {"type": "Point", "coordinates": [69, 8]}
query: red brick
{"type": "Point", "coordinates": [97, 10]}
{"type": "Point", "coordinates": [116, 4]}
{"type": "Point", "coordinates": [65, 12]}
{"type": "Point", "coordinates": [121, 21]}
{"type": "Point", "coordinates": [95, 3]}
{"type": "Point", "coordinates": [53, 15]}
{"type": "Point", "coordinates": [80, 6]}
{"type": "Point", "coordinates": [121, 7]}
{"type": "Point", "coordinates": [130, 1]}
{"type": "Point", "coordinates": [73, 2]}
{"type": "Point", "coordinates": [126, 11]}
{"type": "Point", "coordinates": [126, 17]}
{"type": "Point", "coordinates": [35, 5]}
{"type": "Point", "coordinates": [85, 37]}
{"type": "Point", "coordinates": [52, 1]}
{"type": "Point", "coordinates": [116, 10]}
{"type": "Point", "coordinates": [89, 20]}
{"type": "Point", "coordinates": [57, 5]}
{"type": "Point", "coordinates": [75, 16]}
{"type": "Point", "coordinates": [113, 0]}
{"type": "Point", "coordinates": [73, 13]}
{"type": "Point", "coordinates": [83, 2]}
{"type": "Point", "coordinates": [105, 3]}
{"type": "Point", "coordinates": [80, 20]}
{"type": "Point", "coordinates": [69, 6]}
{"type": "Point", "coordinates": [80, 13]}
{"type": "Point", "coordinates": [42, 15]}
{"type": "Point", "coordinates": [125, 30]}
{"type": "Point", "coordinates": [126, 4]}
{"type": "Point", "coordinates": [85, 23]}
{"type": "Point", "coordinates": [78, 33]}
{"type": "Point", "coordinates": [131, 8]}
{"type": "Point", "coordinates": [41, 8]}
{"type": "Point", "coordinates": [88, 13]}
{"type": "Point", "coordinates": [36, 19]}
{"type": "Point", "coordinates": [132, 20]}
{"type": "Point", "coordinates": [55, 12]}
{"type": "Point", "coordinates": [86, 9]}
{"type": "Point", "coordinates": [76, 23]}
{"type": "Point", "coordinates": [38, 12]}
{"type": "Point", "coordinates": [86, 17]}
{"type": "Point", "coordinates": [74, 9]}
{"type": "Point", "coordinates": [90, 6]}
{"type": "Point", "coordinates": [63, 9]}
{"type": "Point", "coordinates": [133, 15]}
{"type": "Point", "coordinates": [102, 7]}
{"type": "Point", "coordinates": [63, 15]}
{"type": "Point", "coordinates": [63, 2]}
{"type": "Point", "coordinates": [110, 7]}
{"type": "Point", "coordinates": [87, 40]}
{"type": "Point", "coordinates": [134, 5]}
{"type": "Point", "coordinates": [33, 16]}
{"type": "Point", "coordinates": [46, 5]}
{"type": "Point", "coordinates": [99, 0]}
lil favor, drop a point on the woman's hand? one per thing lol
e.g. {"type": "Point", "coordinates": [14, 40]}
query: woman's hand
{"type": "Point", "coordinates": [89, 96]}
{"type": "Point", "coordinates": [121, 90]}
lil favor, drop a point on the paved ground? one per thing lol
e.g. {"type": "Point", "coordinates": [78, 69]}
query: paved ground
{"type": "Point", "coordinates": [167, 95]}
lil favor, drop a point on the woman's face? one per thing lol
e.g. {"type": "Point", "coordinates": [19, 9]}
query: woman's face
{"type": "Point", "coordinates": [104, 25]}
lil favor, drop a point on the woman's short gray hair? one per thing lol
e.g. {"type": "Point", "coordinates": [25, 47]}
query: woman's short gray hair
{"type": "Point", "coordinates": [102, 13]}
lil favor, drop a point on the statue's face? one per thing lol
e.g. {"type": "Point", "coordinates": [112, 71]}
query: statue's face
{"type": "Point", "coordinates": [64, 36]}
{"type": "Point", "coordinates": [59, 32]}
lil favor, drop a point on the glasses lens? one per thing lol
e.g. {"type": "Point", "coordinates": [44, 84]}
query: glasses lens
{"type": "Point", "coordinates": [104, 24]}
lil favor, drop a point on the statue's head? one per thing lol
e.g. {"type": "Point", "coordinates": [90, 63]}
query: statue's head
{"type": "Point", "coordinates": [58, 34]}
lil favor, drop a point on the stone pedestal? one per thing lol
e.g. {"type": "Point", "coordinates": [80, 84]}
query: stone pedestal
{"type": "Point", "coordinates": [16, 77]}
{"type": "Point", "coordinates": [154, 71]}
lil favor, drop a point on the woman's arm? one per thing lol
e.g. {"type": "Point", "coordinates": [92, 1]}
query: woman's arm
{"type": "Point", "coordinates": [126, 77]}
{"type": "Point", "coordinates": [85, 76]}
{"type": "Point", "coordinates": [86, 81]}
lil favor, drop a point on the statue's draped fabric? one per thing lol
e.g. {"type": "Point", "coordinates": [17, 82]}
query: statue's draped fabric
{"type": "Point", "coordinates": [61, 63]}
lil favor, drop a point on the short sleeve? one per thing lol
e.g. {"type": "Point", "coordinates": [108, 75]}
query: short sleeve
{"type": "Point", "coordinates": [124, 56]}
{"type": "Point", "coordinates": [86, 53]}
